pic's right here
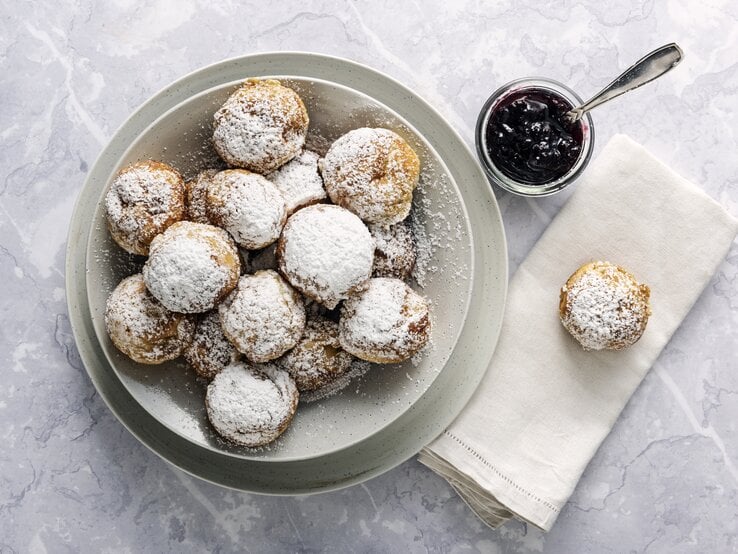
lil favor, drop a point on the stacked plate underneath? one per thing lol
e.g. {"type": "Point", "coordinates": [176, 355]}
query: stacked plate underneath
{"type": "Point", "coordinates": [380, 419]}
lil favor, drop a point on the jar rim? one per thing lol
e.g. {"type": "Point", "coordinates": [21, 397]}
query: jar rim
{"type": "Point", "coordinates": [495, 176]}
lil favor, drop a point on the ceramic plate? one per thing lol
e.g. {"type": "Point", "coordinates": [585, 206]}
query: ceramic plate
{"type": "Point", "coordinates": [174, 396]}
{"type": "Point", "coordinates": [383, 417]}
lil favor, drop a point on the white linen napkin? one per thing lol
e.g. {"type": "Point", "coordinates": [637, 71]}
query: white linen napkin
{"type": "Point", "coordinates": [545, 405]}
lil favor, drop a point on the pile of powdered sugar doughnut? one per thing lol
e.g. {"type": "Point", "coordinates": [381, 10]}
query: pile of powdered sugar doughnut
{"type": "Point", "coordinates": [278, 278]}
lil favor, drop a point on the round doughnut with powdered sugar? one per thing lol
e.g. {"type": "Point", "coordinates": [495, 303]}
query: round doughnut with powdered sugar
{"type": "Point", "coordinates": [191, 267]}
{"type": "Point", "coordinates": [318, 358]}
{"type": "Point", "coordinates": [325, 252]}
{"type": "Point", "coordinates": [261, 126]}
{"type": "Point", "coordinates": [143, 329]}
{"type": "Point", "coordinates": [395, 253]}
{"type": "Point", "coordinates": [386, 323]}
{"type": "Point", "coordinates": [210, 351]}
{"type": "Point", "coordinates": [196, 195]}
{"type": "Point", "coordinates": [373, 173]}
{"type": "Point", "coordinates": [264, 317]}
{"type": "Point", "coordinates": [299, 181]}
{"type": "Point", "coordinates": [603, 306]}
{"type": "Point", "coordinates": [251, 405]}
{"type": "Point", "coordinates": [143, 200]}
{"type": "Point", "coordinates": [246, 205]}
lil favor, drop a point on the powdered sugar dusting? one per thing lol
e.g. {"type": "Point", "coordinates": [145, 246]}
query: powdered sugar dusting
{"type": "Point", "coordinates": [385, 323]}
{"type": "Point", "coordinates": [371, 172]}
{"type": "Point", "coordinates": [299, 181]}
{"type": "Point", "coordinates": [318, 359]}
{"type": "Point", "coordinates": [142, 201]}
{"type": "Point", "coordinates": [605, 307]}
{"type": "Point", "coordinates": [436, 219]}
{"type": "Point", "coordinates": [197, 191]}
{"type": "Point", "coordinates": [191, 267]}
{"type": "Point", "coordinates": [435, 226]}
{"type": "Point", "coordinates": [395, 252]}
{"type": "Point", "coordinates": [248, 206]}
{"type": "Point", "coordinates": [210, 351]}
{"type": "Point", "coordinates": [261, 126]}
{"type": "Point", "coordinates": [357, 369]}
{"type": "Point", "coordinates": [264, 317]}
{"type": "Point", "coordinates": [251, 405]}
{"type": "Point", "coordinates": [141, 327]}
{"type": "Point", "coordinates": [326, 252]}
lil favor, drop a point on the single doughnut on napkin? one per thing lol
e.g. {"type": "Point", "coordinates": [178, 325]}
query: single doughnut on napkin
{"type": "Point", "coordinates": [545, 405]}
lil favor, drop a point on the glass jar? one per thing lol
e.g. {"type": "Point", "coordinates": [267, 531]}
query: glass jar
{"type": "Point", "coordinates": [519, 186]}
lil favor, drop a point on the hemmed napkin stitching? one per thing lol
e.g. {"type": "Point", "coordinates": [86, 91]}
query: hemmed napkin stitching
{"type": "Point", "coordinates": [562, 400]}
{"type": "Point", "coordinates": [500, 474]}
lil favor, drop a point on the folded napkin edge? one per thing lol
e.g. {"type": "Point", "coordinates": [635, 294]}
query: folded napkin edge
{"type": "Point", "coordinates": [457, 459]}
{"type": "Point", "coordinates": [524, 504]}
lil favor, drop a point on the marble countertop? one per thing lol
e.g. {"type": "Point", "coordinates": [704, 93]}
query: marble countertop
{"type": "Point", "coordinates": [73, 479]}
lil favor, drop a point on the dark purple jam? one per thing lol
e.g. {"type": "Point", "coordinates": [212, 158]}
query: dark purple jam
{"type": "Point", "coordinates": [529, 138]}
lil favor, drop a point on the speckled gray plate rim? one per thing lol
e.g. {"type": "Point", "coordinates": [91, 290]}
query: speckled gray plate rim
{"type": "Point", "coordinates": [431, 413]}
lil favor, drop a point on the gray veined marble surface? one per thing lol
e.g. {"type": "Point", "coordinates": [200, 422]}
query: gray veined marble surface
{"type": "Point", "coordinates": [73, 479]}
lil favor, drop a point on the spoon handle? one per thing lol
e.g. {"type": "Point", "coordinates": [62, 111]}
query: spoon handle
{"type": "Point", "coordinates": [644, 71]}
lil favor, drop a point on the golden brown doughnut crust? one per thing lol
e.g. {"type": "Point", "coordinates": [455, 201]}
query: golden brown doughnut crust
{"type": "Point", "coordinates": [373, 173]}
{"type": "Point", "coordinates": [143, 200]}
{"type": "Point", "coordinates": [386, 323]}
{"type": "Point", "coordinates": [264, 317]}
{"type": "Point", "coordinates": [247, 205]}
{"type": "Point", "coordinates": [210, 351]}
{"type": "Point", "coordinates": [603, 306]}
{"type": "Point", "coordinates": [143, 329]}
{"type": "Point", "coordinates": [196, 194]}
{"type": "Point", "coordinates": [251, 405]}
{"type": "Point", "coordinates": [192, 266]}
{"type": "Point", "coordinates": [396, 252]}
{"type": "Point", "coordinates": [261, 126]}
{"type": "Point", "coordinates": [325, 252]}
{"type": "Point", "coordinates": [318, 358]}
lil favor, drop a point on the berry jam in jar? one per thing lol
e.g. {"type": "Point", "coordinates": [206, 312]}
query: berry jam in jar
{"type": "Point", "coordinates": [525, 140]}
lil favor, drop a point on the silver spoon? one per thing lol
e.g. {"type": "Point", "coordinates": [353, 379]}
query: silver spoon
{"type": "Point", "coordinates": [644, 71]}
